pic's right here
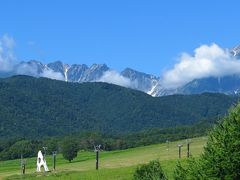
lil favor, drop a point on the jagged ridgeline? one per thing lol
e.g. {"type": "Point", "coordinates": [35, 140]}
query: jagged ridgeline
{"type": "Point", "coordinates": [150, 84]}
{"type": "Point", "coordinates": [34, 107]}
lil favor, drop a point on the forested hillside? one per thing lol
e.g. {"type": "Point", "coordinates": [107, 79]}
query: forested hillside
{"type": "Point", "coordinates": [34, 107]}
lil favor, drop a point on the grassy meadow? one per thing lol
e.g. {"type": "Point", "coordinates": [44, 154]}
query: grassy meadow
{"type": "Point", "coordinates": [112, 165]}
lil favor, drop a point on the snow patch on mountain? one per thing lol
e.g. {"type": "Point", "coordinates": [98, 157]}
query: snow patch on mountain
{"type": "Point", "coordinates": [236, 51]}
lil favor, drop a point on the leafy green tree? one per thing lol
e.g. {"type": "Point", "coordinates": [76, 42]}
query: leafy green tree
{"type": "Point", "coordinates": [52, 144]}
{"type": "Point", "coordinates": [25, 148]}
{"type": "Point", "coordinates": [221, 157]}
{"type": "Point", "coordinates": [150, 171]}
{"type": "Point", "coordinates": [69, 149]}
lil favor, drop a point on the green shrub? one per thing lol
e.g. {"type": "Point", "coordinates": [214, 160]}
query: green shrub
{"type": "Point", "coordinates": [179, 172]}
{"type": "Point", "coordinates": [150, 171]}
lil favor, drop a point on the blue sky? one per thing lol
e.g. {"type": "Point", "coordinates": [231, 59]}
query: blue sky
{"type": "Point", "coordinates": [147, 35]}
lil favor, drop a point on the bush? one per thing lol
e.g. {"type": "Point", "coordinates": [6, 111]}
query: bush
{"type": "Point", "coordinates": [69, 149]}
{"type": "Point", "coordinates": [150, 171]}
{"type": "Point", "coordinates": [179, 172]}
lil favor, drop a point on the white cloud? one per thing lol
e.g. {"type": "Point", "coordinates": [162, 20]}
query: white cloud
{"type": "Point", "coordinates": [8, 41]}
{"type": "Point", "coordinates": [26, 69]}
{"type": "Point", "coordinates": [207, 61]}
{"type": "Point", "coordinates": [8, 62]}
{"type": "Point", "coordinates": [7, 59]}
{"type": "Point", "coordinates": [114, 77]}
{"type": "Point", "coordinates": [32, 70]}
{"type": "Point", "coordinates": [48, 73]}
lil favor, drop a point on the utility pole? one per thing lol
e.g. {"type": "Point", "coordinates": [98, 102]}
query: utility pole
{"type": "Point", "coordinates": [97, 149]}
{"type": "Point", "coordinates": [23, 165]}
{"type": "Point", "coordinates": [179, 150]}
{"type": "Point", "coordinates": [54, 160]}
{"type": "Point", "coordinates": [167, 148]}
{"type": "Point", "coordinates": [97, 156]}
{"type": "Point", "coordinates": [188, 148]}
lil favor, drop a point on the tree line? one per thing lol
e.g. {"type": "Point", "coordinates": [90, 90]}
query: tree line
{"type": "Point", "coordinates": [13, 148]}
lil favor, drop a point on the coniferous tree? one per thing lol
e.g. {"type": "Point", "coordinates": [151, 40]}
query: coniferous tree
{"type": "Point", "coordinates": [221, 157]}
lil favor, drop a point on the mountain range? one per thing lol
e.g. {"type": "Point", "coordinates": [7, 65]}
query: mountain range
{"type": "Point", "coordinates": [147, 83]}
{"type": "Point", "coordinates": [82, 73]}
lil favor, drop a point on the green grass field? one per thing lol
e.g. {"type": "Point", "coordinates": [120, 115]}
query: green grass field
{"type": "Point", "coordinates": [112, 165]}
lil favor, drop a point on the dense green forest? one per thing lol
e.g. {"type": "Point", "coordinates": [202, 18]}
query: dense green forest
{"type": "Point", "coordinates": [36, 107]}
{"type": "Point", "coordinates": [37, 112]}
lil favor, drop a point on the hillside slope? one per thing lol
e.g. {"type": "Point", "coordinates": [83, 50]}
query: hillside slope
{"type": "Point", "coordinates": [33, 107]}
{"type": "Point", "coordinates": [111, 162]}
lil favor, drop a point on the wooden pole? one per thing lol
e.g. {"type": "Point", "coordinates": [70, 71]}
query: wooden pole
{"type": "Point", "coordinates": [97, 149]}
{"type": "Point", "coordinates": [179, 151]}
{"type": "Point", "coordinates": [97, 157]}
{"type": "Point", "coordinates": [188, 149]}
{"type": "Point", "coordinates": [54, 160]}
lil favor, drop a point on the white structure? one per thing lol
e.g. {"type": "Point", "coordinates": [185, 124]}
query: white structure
{"type": "Point", "coordinates": [41, 162]}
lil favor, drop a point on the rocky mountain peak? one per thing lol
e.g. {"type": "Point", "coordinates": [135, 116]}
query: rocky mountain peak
{"type": "Point", "coordinates": [236, 51]}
